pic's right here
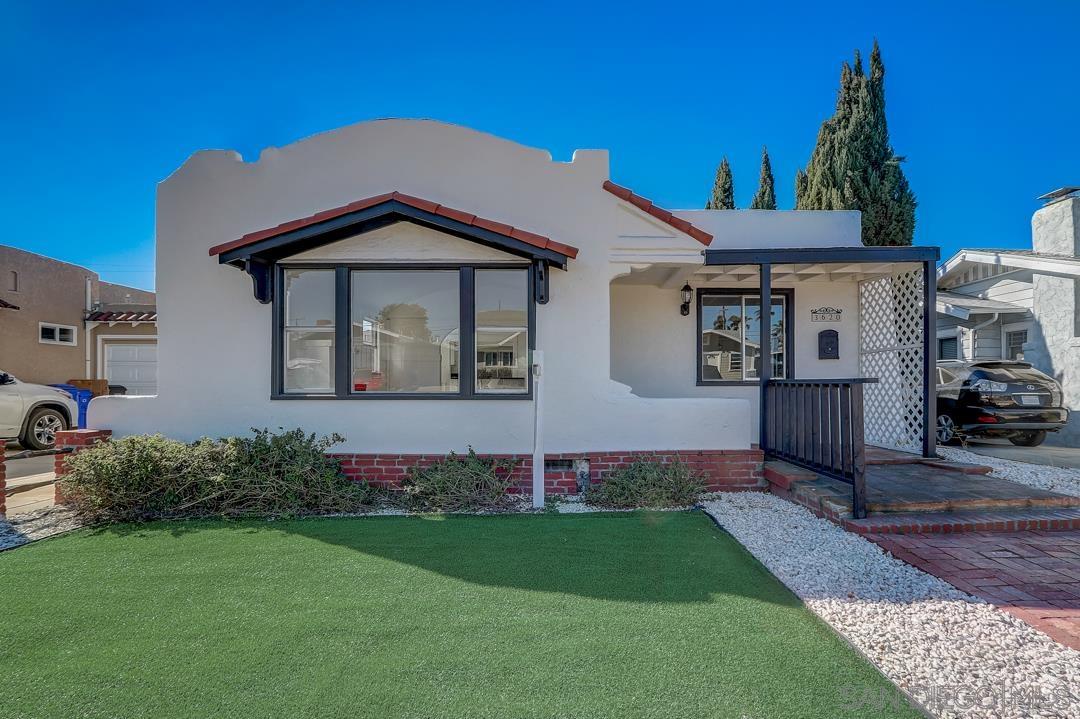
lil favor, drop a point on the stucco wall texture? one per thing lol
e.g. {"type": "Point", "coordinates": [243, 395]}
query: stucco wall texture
{"type": "Point", "coordinates": [215, 338]}
{"type": "Point", "coordinates": [1055, 344]}
{"type": "Point", "coordinates": [47, 291]}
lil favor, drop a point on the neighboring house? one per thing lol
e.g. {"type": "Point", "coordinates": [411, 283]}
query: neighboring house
{"type": "Point", "coordinates": [393, 282]}
{"type": "Point", "coordinates": [72, 325]}
{"type": "Point", "coordinates": [1021, 304]}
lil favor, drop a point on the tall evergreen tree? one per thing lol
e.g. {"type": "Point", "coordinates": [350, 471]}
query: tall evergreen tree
{"type": "Point", "coordinates": [853, 166]}
{"type": "Point", "coordinates": [723, 191]}
{"type": "Point", "coordinates": [765, 197]}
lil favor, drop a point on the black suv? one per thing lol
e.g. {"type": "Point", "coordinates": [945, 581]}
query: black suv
{"type": "Point", "coordinates": [997, 398]}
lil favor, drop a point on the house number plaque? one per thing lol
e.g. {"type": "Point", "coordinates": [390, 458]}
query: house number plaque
{"type": "Point", "coordinates": [825, 314]}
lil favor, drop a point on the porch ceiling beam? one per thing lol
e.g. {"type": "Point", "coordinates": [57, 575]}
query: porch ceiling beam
{"type": "Point", "coordinates": [823, 255]}
{"type": "Point", "coordinates": [679, 276]}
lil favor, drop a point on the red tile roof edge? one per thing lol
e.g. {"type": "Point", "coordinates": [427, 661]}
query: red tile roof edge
{"type": "Point", "coordinates": [466, 218]}
{"type": "Point", "coordinates": [645, 205]}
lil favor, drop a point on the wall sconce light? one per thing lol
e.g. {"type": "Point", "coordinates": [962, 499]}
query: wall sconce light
{"type": "Point", "coordinates": [687, 294]}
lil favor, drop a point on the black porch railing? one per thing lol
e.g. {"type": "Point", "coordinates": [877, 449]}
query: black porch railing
{"type": "Point", "coordinates": [818, 424]}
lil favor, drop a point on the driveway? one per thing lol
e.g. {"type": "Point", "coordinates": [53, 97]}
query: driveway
{"type": "Point", "coordinates": [33, 478]}
{"type": "Point", "coordinates": [1046, 455]}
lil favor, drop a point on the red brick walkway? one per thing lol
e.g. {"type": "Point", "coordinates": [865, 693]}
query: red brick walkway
{"type": "Point", "coordinates": [1034, 575]}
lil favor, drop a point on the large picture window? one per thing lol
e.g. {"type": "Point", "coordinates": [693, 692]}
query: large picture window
{"type": "Point", "coordinates": [729, 336]}
{"type": "Point", "coordinates": [439, 332]}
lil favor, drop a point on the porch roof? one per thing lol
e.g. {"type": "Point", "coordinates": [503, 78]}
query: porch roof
{"type": "Point", "coordinates": [819, 255]}
{"type": "Point", "coordinates": [963, 306]}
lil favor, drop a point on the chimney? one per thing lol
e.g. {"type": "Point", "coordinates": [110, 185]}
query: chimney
{"type": "Point", "coordinates": [1055, 227]}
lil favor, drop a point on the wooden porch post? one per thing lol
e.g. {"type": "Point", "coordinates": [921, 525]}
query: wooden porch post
{"type": "Point", "coordinates": [929, 327]}
{"type": "Point", "coordinates": [765, 274]}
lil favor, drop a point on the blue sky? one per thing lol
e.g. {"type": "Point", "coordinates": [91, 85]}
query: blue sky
{"type": "Point", "coordinates": [104, 100]}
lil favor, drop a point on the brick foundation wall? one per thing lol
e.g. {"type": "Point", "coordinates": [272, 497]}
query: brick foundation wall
{"type": "Point", "coordinates": [724, 469]}
{"type": "Point", "coordinates": [77, 440]}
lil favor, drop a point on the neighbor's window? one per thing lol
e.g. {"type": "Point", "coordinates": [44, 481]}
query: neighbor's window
{"type": "Point", "coordinates": [1014, 344]}
{"type": "Point", "coordinates": [502, 331]}
{"type": "Point", "coordinates": [730, 330]}
{"type": "Point", "coordinates": [13, 281]}
{"type": "Point", "coordinates": [309, 331]}
{"type": "Point", "coordinates": [948, 348]}
{"type": "Point", "coordinates": [406, 331]}
{"type": "Point", "coordinates": [51, 334]}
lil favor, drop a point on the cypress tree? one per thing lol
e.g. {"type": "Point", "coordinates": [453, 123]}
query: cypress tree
{"type": "Point", "coordinates": [854, 167]}
{"type": "Point", "coordinates": [765, 197]}
{"type": "Point", "coordinates": [723, 191]}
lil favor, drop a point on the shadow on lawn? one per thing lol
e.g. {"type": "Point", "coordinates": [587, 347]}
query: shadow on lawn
{"type": "Point", "coordinates": [651, 557]}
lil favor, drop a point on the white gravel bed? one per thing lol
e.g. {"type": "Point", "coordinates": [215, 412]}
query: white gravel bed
{"type": "Point", "coordinates": [957, 655]}
{"type": "Point", "coordinates": [23, 528]}
{"type": "Point", "coordinates": [1062, 480]}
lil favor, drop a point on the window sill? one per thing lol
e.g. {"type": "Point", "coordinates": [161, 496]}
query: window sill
{"type": "Point", "coordinates": [730, 383]}
{"type": "Point", "coordinates": [376, 396]}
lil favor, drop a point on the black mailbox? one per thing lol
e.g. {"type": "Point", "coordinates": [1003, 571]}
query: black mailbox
{"type": "Point", "coordinates": [828, 344]}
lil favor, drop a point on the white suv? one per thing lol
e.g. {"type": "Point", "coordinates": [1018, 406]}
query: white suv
{"type": "Point", "coordinates": [34, 413]}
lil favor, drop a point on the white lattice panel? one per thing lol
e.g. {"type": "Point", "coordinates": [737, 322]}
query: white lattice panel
{"type": "Point", "coordinates": [891, 349]}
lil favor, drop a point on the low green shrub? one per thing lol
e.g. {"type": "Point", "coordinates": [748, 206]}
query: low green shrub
{"type": "Point", "coordinates": [151, 477]}
{"type": "Point", "coordinates": [648, 482]}
{"type": "Point", "coordinates": [459, 484]}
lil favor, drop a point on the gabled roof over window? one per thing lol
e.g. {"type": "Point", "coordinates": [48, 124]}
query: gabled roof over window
{"type": "Point", "coordinates": [256, 252]}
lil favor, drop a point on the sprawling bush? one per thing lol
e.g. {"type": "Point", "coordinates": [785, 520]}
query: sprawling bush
{"type": "Point", "coordinates": [459, 484]}
{"type": "Point", "coordinates": [648, 482]}
{"type": "Point", "coordinates": [150, 477]}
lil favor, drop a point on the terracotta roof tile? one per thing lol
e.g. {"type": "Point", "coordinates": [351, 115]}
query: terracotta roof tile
{"type": "Point", "coordinates": [529, 238]}
{"type": "Point", "coordinates": [499, 228]}
{"type": "Point", "coordinates": [462, 217]}
{"type": "Point", "coordinates": [659, 213]}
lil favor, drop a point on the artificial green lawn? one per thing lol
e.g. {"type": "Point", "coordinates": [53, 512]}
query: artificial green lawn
{"type": "Point", "coordinates": [602, 615]}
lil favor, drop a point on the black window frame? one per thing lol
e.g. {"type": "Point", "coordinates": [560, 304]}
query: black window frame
{"type": "Point", "coordinates": [787, 293]}
{"type": "Point", "coordinates": [343, 327]}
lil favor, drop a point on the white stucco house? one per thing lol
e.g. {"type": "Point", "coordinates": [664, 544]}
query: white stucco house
{"type": "Point", "coordinates": [421, 287]}
{"type": "Point", "coordinates": [1021, 304]}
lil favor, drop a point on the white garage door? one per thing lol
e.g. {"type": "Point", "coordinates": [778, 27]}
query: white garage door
{"type": "Point", "coordinates": [132, 365]}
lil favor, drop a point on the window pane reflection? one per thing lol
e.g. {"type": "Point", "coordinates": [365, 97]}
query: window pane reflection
{"type": "Point", "coordinates": [405, 331]}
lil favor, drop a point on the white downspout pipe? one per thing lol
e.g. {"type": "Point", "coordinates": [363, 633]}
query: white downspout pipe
{"type": "Point", "coordinates": [87, 326]}
{"type": "Point", "coordinates": [538, 430]}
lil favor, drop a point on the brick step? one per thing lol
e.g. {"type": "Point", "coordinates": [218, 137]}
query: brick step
{"type": "Point", "coordinates": [916, 487]}
{"type": "Point", "coordinates": [1017, 520]}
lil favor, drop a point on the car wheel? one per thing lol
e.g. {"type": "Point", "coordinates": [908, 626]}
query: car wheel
{"type": "Point", "coordinates": [1029, 439]}
{"type": "Point", "coordinates": [946, 430]}
{"type": "Point", "coordinates": [42, 428]}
